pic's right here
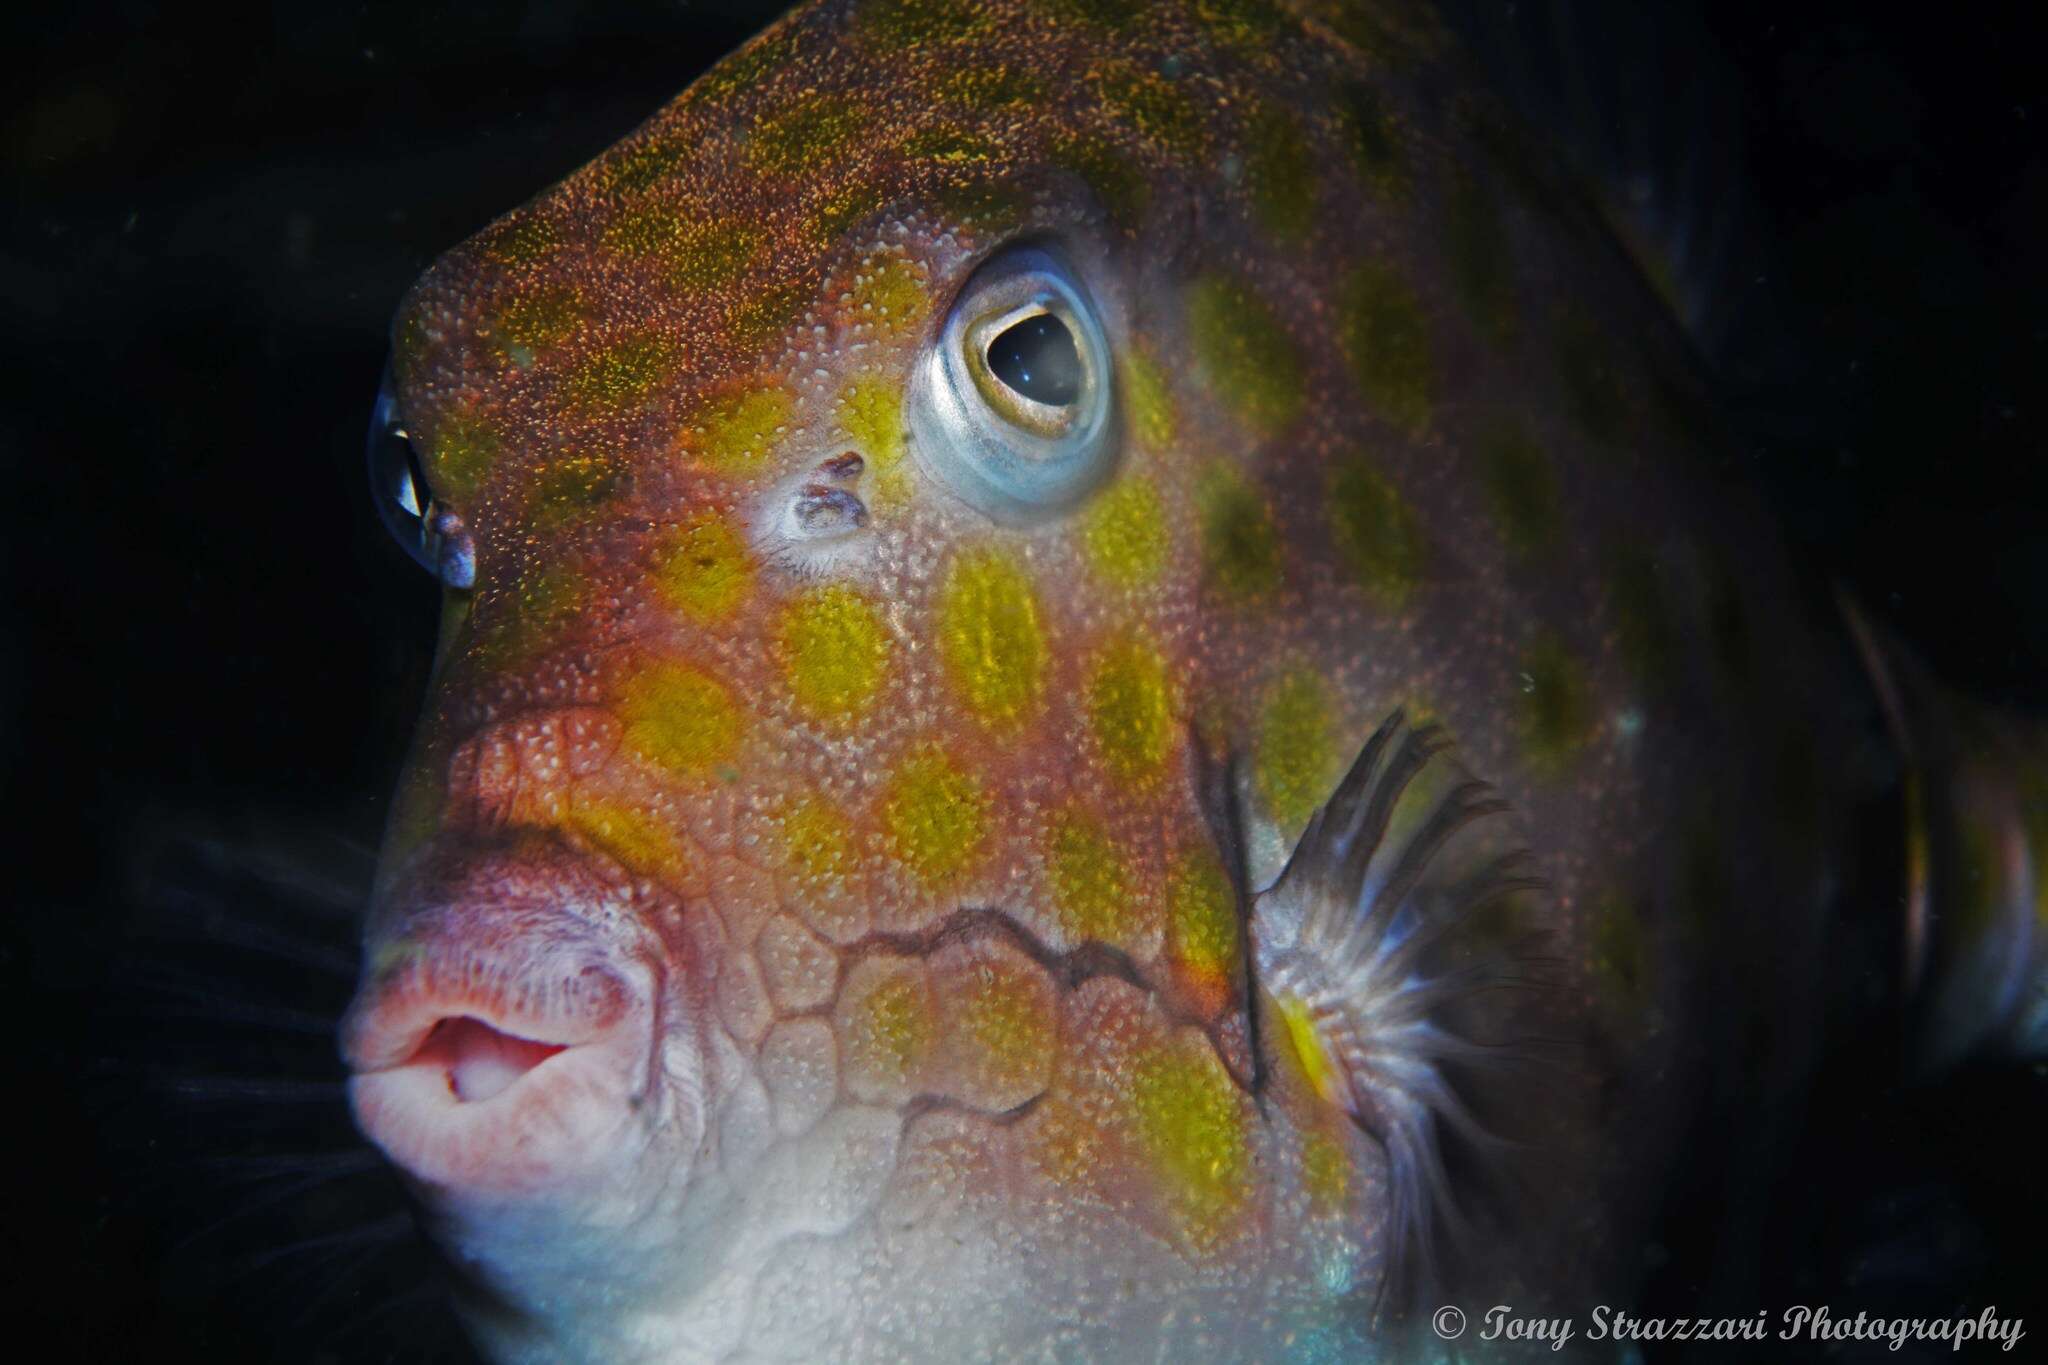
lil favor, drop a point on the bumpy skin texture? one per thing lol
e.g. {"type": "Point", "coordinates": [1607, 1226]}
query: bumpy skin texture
{"type": "Point", "coordinates": [897, 841]}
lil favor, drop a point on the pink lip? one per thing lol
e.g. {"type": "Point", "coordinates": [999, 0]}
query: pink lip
{"type": "Point", "coordinates": [499, 1064]}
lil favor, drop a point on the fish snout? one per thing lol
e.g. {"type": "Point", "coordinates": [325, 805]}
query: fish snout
{"type": "Point", "coordinates": [505, 1047]}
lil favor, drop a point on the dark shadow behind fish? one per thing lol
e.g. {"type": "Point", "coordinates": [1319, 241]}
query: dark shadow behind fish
{"type": "Point", "coordinates": [1871, 1205]}
{"type": "Point", "coordinates": [243, 951]}
{"type": "Point", "coordinates": [209, 1194]}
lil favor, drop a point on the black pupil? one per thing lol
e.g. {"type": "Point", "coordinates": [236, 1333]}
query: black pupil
{"type": "Point", "coordinates": [1037, 358]}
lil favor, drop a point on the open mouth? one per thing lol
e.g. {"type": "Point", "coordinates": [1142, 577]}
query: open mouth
{"type": "Point", "coordinates": [479, 1062]}
{"type": "Point", "coordinates": [500, 1072]}
{"type": "Point", "coordinates": [481, 1023]}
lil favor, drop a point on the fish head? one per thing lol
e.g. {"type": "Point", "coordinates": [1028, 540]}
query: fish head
{"type": "Point", "coordinates": [866, 494]}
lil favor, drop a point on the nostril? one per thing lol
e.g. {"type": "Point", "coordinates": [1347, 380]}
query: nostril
{"type": "Point", "coordinates": [478, 1061]}
{"type": "Point", "coordinates": [822, 513]}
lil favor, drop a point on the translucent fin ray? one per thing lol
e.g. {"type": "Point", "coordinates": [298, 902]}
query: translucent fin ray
{"type": "Point", "coordinates": [1375, 933]}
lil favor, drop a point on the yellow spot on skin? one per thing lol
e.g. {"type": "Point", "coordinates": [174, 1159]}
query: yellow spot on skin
{"type": "Point", "coordinates": [1159, 108]}
{"type": "Point", "coordinates": [898, 1025]}
{"type": "Point", "coordinates": [994, 87]}
{"type": "Point", "coordinates": [935, 818]}
{"type": "Point", "coordinates": [888, 294]}
{"type": "Point", "coordinates": [694, 255]}
{"type": "Point", "coordinates": [704, 571]}
{"type": "Point", "coordinates": [1003, 1038]}
{"type": "Point", "coordinates": [1378, 533]}
{"type": "Point", "coordinates": [834, 650]}
{"type": "Point", "coordinates": [736, 432]}
{"type": "Point", "coordinates": [1316, 1063]}
{"type": "Point", "coordinates": [952, 147]}
{"type": "Point", "coordinates": [1201, 918]}
{"type": "Point", "coordinates": [1147, 399]}
{"type": "Point", "coordinates": [817, 841]}
{"type": "Point", "coordinates": [823, 857]}
{"type": "Point", "coordinates": [639, 841]}
{"type": "Point", "coordinates": [1089, 885]}
{"type": "Point", "coordinates": [1124, 533]}
{"type": "Point", "coordinates": [806, 134]}
{"type": "Point", "coordinates": [1246, 23]}
{"type": "Point", "coordinates": [706, 256]}
{"type": "Point", "coordinates": [1296, 762]}
{"type": "Point", "coordinates": [640, 165]}
{"type": "Point", "coordinates": [531, 323]}
{"type": "Point", "coordinates": [1240, 548]}
{"type": "Point", "coordinates": [871, 414]}
{"type": "Point", "coordinates": [886, 1034]}
{"type": "Point", "coordinates": [1245, 351]}
{"type": "Point", "coordinates": [565, 489]}
{"type": "Point", "coordinates": [1130, 708]}
{"type": "Point", "coordinates": [1191, 1123]}
{"type": "Point", "coordinates": [844, 209]}
{"type": "Point", "coordinates": [680, 718]}
{"type": "Point", "coordinates": [465, 447]}
{"type": "Point", "coordinates": [622, 376]}
{"type": "Point", "coordinates": [1281, 172]}
{"type": "Point", "coordinates": [520, 238]}
{"type": "Point", "coordinates": [893, 25]}
{"type": "Point", "coordinates": [1556, 705]}
{"type": "Point", "coordinates": [1387, 338]}
{"type": "Point", "coordinates": [642, 230]}
{"type": "Point", "coordinates": [990, 638]}
{"type": "Point", "coordinates": [1325, 1171]}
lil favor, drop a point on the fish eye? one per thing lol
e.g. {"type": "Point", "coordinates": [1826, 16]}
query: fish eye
{"type": "Point", "coordinates": [399, 482]}
{"type": "Point", "coordinates": [1011, 407]}
{"type": "Point", "coordinates": [431, 534]}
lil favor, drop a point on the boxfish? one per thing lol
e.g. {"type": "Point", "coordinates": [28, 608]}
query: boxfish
{"type": "Point", "coordinates": [1105, 692]}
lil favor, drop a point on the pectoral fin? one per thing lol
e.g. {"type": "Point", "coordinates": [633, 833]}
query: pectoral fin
{"type": "Point", "coordinates": [1375, 948]}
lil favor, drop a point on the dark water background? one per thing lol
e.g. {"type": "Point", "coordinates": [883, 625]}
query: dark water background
{"type": "Point", "coordinates": [209, 653]}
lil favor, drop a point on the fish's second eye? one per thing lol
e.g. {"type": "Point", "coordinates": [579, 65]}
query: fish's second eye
{"type": "Point", "coordinates": [432, 534]}
{"type": "Point", "coordinates": [1036, 357]}
{"type": "Point", "coordinates": [398, 482]}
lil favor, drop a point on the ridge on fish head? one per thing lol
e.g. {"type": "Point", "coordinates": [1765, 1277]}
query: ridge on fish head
{"type": "Point", "coordinates": [969, 539]}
